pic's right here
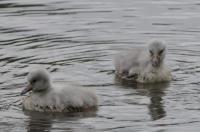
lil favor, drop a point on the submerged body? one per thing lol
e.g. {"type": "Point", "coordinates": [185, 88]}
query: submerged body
{"type": "Point", "coordinates": [144, 65]}
{"type": "Point", "coordinates": [59, 98]}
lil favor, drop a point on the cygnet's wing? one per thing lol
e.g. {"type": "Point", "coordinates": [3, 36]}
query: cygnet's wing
{"type": "Point", "coordinates": [76, 97]}
{"type": "Point", "coordinates": [132, 59]}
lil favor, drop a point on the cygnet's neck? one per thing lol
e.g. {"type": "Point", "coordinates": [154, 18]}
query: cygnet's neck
{"type": "Point", "coordinates": [49, 86]}
{"type": "Point", "coordinates": [46, 90]}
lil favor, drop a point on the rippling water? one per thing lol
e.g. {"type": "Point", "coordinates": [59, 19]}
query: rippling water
{"type": "Point", "coordinates": [76, 41]}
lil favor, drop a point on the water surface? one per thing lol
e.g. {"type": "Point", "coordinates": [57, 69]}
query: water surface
{"type": "Point", "coordinates": [76, 40]}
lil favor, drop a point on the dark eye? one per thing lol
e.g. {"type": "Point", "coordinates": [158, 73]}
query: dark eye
{"type": "Point", "coordinates": [160, 52]}
{"type": "Point", "coordinates": [34, 80]}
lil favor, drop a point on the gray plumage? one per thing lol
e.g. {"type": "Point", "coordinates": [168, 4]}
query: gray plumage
{"type": "Point", "coordinates": [45, 97]}
{"type": "Point", "coordinates": [143, 64]}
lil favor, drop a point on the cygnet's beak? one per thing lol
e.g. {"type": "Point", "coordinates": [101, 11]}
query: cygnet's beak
{"type": "Point", "coordinates": [155, 61]}
{"type": "Point", "coordinates": [26, 89]}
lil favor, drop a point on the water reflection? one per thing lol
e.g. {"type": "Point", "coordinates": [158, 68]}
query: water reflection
{"type": "Point", "coordinates": [38, 122]}
{"type": "Point", "coordinates": [43, 122]}
{"type": "Point", "coordinates": [154, 91]}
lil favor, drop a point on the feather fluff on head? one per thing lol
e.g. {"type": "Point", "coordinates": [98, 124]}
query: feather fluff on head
{"type": "Point", "coordinates": [39, 74]}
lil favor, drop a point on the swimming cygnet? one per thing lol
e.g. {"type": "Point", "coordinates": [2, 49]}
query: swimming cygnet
{"type": "Point", "coordinates": [144, 65]}
{"type": "Point", "coordinates": [45, 97]}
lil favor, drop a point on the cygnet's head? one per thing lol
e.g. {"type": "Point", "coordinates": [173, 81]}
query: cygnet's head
{"type": "Point", "coordinates": [157, 51]}
{"type": "Point", "coordinates": [38, 81]}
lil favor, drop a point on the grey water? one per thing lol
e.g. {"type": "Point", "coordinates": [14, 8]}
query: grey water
{"type": "Point", "coordinates": [76, 41]}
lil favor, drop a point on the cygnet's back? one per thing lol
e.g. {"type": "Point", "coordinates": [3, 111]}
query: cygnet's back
{"type": "Point", "coordinates": [124, 61]}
